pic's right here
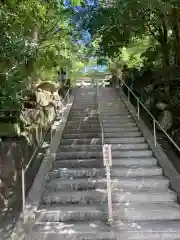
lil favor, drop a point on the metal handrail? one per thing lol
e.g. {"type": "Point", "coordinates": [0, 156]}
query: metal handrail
{"type": "Point", "coordinates": [107, 164]}
{"type": "Point", "coordinates": [155, 122]}
{"type": "Point", "coordinates": [25, 168]}
{"type": "Point", "coordinates": [102, 127]}
{"type": "Point", "coordinates": [99, 115]}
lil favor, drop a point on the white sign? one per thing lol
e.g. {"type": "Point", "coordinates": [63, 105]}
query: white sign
{"type": "Point", "coordinates": [107, 155]}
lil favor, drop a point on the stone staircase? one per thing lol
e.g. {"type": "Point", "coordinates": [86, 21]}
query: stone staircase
{"type": "Point", "coordinates": [74, 204]}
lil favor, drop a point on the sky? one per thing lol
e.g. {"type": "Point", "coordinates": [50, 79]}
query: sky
{"type": "Point", "coordinates": [96, 68]}
{"type": "Point", "coordinates": [87, 2]}
{"type": "Point", "coordinates": [86, 35]}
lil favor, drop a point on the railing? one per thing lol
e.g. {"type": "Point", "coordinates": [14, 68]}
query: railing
{"type": "Point", "coordinates": [99, 115]}
{"type": "Point", "coordinates": [155, 122]}
{"type": "Point", "coordinates": [107, 159]}
{"type": "Point", "coordinates": [25, 168]}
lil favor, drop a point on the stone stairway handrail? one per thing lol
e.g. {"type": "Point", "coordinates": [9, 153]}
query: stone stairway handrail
{"type": "Point", "coordinates": [155, 122]}
{"type": "Point", "coordinates": [47, 129]}
{"type": "Point", "coordinates": [26, 167]}
{"type": "Point", "coordinates": [99, 114]}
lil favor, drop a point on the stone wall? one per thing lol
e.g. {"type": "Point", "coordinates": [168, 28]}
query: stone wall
{"type": "Point", "coordinates": [41, 103]}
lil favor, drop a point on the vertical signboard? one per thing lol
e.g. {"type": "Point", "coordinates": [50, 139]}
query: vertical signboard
{"type": "Point", "coordinates": [107, 155]}
{"type": "Point", "coordinates": [107, 161]}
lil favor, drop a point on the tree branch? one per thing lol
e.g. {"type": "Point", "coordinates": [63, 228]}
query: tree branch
{"type": "Point", "coordinates": [153, 34]}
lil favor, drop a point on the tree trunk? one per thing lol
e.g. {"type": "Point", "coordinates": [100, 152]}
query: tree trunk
{"type": "Point", "coordinates": [30, 64]}
{"type": "Point", "coordinates": [163, 33]}
{"type": "Point", "coordinates": [176, 36]}
{"type": "Point", "coordinates": [161, 36]}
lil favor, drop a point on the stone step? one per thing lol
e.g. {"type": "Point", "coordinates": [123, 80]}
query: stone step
{"type": "Point", "coordinates": [82, 122]}
{"type": "Point", "coordinates": [81, 136]}
{"type": "Point", "coordinates": [115, 147]}
{"type": "Point", "coordinates": [79, 148]}
{"type": "Point", "coordinates": [148, 230]}
{"type": "Point", "coordinates": [79, 231]}
{"type": "Point", "coordinates": [86, 112]}
{"type": "Point", "coordinates": [108, 106]}
{"type": "Point", "coordinates": [84, 101]}
{"type": "Point", "coordinates": [106, 130]}
{"type": "Point", "coordinates": [83, 125]}
{"type": "Point", "coordinates": [78, 130]}
{"type": "Point", "coordinates": [125, 116]}
{"type": "Point", "coordinates": [98, 135]}
{"type": "Point", "coordinates": [98, 154]}
{"type": "Point", "coordinates": [96, 121]}
{"type": "Point", "coordinates": [101, 172]}
{"type": "Point", "coordinates": [108, 102]}
{"type": "Point", "coordinates": [95, 112]}
{"type": "Point", "coordinates": [98, 162]}
{"type": "Point", "coordinates": [95, 141]}
{"type": "Point", "coordinates": [105, 125]}
{"type": "Point", "coordinates": [122, 134]}
{"type": "Point", "coordinates": [121, 212]}
{"type": "Point", "coordinates": [115, 114]}
{"type": "Point", "coordinates": [113, 107]}
{"type": "Point", "coordinates": [118, 121]}
{"type": "Point", "coordinates": [78, 163]}
{"type": "Point", "coordinates": [71, 212]}
{"type": "Point", "coordinates": [82, 118]}
{"type": "Point", "coordinates": [125, 140]}
{"type": "Point", "coordinates": [136, 183]}
{"type": "Point", "coordinates": [81, 114]}
{"type": "Point", "coordinates": [83, 109]}
{"type": "Point", "coordinates": [146, 211]}
{"type": "Point", "coordinates": [100, 196]}
{"type": "Point", "coordinates": [86, 106]}
{"type": "Point", "coordinates": [89, 103]}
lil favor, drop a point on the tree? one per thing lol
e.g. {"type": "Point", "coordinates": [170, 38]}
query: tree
{"type": "Point", "coordinates": [32, 35]}
{"type": "Point", "coordinates": [125, 21]}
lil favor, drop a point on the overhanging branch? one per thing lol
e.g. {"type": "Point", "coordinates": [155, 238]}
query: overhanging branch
{"type": "Point", "coordinates": [152, 33]}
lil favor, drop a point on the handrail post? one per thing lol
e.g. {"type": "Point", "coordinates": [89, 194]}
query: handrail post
{"type": "Point", "coordinates": [51, 134]}
{"type": "Point", "coordinates": [24, 168]}
{"type": "Point", "coordinates": [110, 212]}
{"type": "Point", "coordinates": [138, 108]}
{"type": "Point", "coordinates": [62, 110]}
{"type": "Point", "coordinates": [154, 127]}
{"type": "Point", "coordinates": [155, 122]}
{"type": "Point", "coordinates": [128, 96]}
{"type": "Point", "coordinates": [23, 190]}
{"type": "Point", "coordinates": [107, 160]}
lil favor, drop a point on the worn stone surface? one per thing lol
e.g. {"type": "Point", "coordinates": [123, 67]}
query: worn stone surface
{"type": "Point", "coordinates": [48, 86]}
{"type": "Point", "coordinates": [74, 195]}
{"type": "Point", "coordinates": [12, 153]}
{"type": "Point", "coordinates": [165, 120]}
{"type": "Point", "coordinates": [158, 152]}
{"type": "Point", "coordinates": [22, 227]}
{"type": "Point", "coordinates": [18, 145]}
{"type": "Point", "coordinates": [43, 98]}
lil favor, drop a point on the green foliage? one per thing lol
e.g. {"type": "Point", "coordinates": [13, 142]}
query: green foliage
{"type": "Point", "coordinates": [127, 22]}
{"type": "Point", "coordinates": [37, 39]}
{"type": "Point", "coordinates": [136, 53]}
